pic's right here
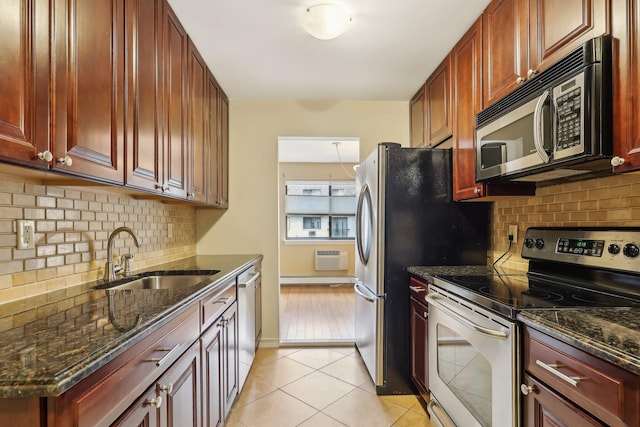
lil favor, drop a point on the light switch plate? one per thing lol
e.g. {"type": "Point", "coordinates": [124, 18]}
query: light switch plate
{"type": "Point", "coordinates": [26, 234]}
{"type": "Point", "coordinates": [169, 230]}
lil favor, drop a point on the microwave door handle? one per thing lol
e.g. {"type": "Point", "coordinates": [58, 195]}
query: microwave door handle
{"type": "Point", "coordinates": [537, 128]}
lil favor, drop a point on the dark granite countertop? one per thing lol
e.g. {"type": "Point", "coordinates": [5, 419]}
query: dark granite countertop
{"type": "Point", "coordinates": [50, 342]}
{"type": "Point", "coordinates": [613, 334]}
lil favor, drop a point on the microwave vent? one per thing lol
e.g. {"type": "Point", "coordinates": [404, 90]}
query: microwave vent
{"type": "Point", "coordinates": [596, 50]}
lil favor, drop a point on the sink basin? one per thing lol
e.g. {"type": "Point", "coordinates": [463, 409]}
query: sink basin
{"type": "Point", "coordinates": [161, 282]}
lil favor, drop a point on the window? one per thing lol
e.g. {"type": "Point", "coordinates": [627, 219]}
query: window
{"type": "Point", "coordinates": [320, 210]}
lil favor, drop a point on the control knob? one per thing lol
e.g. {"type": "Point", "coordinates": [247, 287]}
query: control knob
{"type": "Point", "coordinates": [539, 243]}
{"type": "Point", "coordinates": [631, 250]}
{"type": "Point", "coordinates": [529, 242]}
{"type": "Point", "coordinates": [613, 249]}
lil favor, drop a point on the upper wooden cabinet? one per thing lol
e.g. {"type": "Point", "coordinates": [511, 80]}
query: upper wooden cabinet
{"type": "Point", "coordinates": [466, 65]}
{"type": "Point", "coordinates": [144, 94]}
{"type": "Point", "coordinates": [438, 111]}
{"type": "Point", "coordinates": [88, 119]}
{"type": "Point", "coordinates": [524, 37]}
{"type": "Point", "coordinates": [197, 146]}
{"type": "Point", "coordinates": [626, 85]}
{"type": "Point", "coordinates": [430, 108]}
{"type": "Point", "coordinates": [175, 53]}
{"type": "Point", "coordinates": [25, 67]}
{"type": "Point", "coordinates": [416, 118]}
{"type": "Point", "coordinates": [223, 151]}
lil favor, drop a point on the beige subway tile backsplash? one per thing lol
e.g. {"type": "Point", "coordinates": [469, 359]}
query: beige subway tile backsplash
{"type": "Point", "coordinates": [72, 225]}
{"type": "Point", "coordinates": [609, 202]}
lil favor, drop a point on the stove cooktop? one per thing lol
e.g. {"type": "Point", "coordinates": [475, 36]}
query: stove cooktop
{"type": "Point", "coordinates": [507, 294]}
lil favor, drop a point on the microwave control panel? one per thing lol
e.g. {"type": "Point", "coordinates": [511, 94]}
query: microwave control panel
{"type": "Point", "coordinates": [568, 128]}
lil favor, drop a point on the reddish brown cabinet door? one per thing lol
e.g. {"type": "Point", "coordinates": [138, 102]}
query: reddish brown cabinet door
{"type": "Point", "coordinates": [230, 351]}
{"type": "Point", "coordinates": [89, 88]}
{"type": "Point", "coordinates": [438, 114]}
{"type": "Point", "coordinates": [416, 118]}
{"type": "Point", "coordinates": [197, 145]}
{"type": "Point", "coordinates": [212, 366]}
{"type": "Point", "coordinates": [24, 67]}
{"type": "Point", "coordinates": [466, 64]}
{"type": "Point", "coordinates": [419, 335]}
{"type": "Point", "coordinates": [223, 151]}
{"type": "Point", "coordinates": [505, 40]}
{"type": "Point", "coordinates": [212, 139]}
{"type": "Point", "coordinates": [626, 85]}
{"type": "Point", "coordinates": [175, 104]}
{"type": "Point", "coordinates": [558, 27]}
{"type": "Point", "coordinates": [144, 412]}
{"type": "Point", "coordinates": [144, 94]}
{"type": "Point", "coordinates": [181, 387]}
{"type": "Point", "coordinates": [545, 408]}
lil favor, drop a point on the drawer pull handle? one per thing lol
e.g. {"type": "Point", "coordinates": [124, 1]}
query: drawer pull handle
{"type": "Point", "coordinates": [157, 402]}
{"type": "Point", "coordinates": [166, 357]}
{"type": "Point", "coordinates": [417, 289]}
{"type": "Point", "coordinates": [553, 369]}
{"type": "Point", "coordinates": [167, 388]}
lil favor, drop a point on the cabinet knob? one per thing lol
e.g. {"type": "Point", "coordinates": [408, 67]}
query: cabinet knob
{"type": "Point", "coordinates": [157, 402]}
{"type": "Point", "coordinates": [167, 388]}
{"type": "Point", "coordinates": [617, 161]}
{"type": "Point", "coordinates": [191, 194]}
{"type": "Point", "coordinates": [519, 80]}
{"type": "Point", "coordinates": [163, 187]}
{"type": "Point", "coordinates": [531, 73]}
{"type": "Point", "coordinates": [425, 314]}
{"type": "Point", "coordinates": [66, 160]}
{"type": "Point", "coordinates": [526, 389]}
{"type": "Point", "coordinates": [476, 190]}
{"type": "Point", "coordinates": [46, 156]}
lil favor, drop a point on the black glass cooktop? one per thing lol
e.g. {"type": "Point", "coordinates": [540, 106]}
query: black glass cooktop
{"type": "Point", "coordinates": [508, 294]}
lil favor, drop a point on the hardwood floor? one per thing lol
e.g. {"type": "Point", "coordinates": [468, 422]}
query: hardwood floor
{"type": "Point", "coordinates": [321, 313]}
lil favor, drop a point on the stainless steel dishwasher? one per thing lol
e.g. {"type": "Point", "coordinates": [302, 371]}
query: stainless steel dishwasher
{"type": "Point", "coordinates": [247, 321]}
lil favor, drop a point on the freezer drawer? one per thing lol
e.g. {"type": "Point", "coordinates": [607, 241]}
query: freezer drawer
{"type": "Point", "coordinates": [368, 329]}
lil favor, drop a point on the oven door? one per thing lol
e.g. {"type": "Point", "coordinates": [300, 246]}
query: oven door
{"type": "Point", "coordinates": [473, 371]}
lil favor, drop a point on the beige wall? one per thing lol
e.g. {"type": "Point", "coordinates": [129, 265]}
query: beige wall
{"type": "Point", "coordinates": [72, 225]}
{"type": "Point", "coordinates": [298, 258]}
{"type": "Point", "coordinates": [251, 223]}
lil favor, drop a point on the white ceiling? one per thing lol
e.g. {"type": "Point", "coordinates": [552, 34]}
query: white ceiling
{"type": "Point", "coordinates": [318, 150]}
{"type": "Point", "coordinates": [257, 49]}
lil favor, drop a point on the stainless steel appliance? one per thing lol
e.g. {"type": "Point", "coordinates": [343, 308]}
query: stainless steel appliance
{"type": "Point", "coordinates": [246, 321]}
{"type": "Point", "coordinates": [474, 358]}
{"type": "Point", "coordinates": [405, 216]}
{"type": "Point", "coordinates": [557, 126]}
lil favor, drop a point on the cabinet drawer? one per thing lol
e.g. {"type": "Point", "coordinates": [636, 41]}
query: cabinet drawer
{"type": "Point", "coordinates": [214, 305]}
{"type": "Point", "coordinates": [100, 402]}
{"type": "Point", "coordinates": [601, 388]}
{"type": "Point", "coordinates": [418, 289]}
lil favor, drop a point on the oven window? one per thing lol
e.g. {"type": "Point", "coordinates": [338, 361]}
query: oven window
{"type": "Point", "coordinates": [466, 372]}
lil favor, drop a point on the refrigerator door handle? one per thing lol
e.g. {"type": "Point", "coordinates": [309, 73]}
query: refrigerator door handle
{"type": "Point", "coordinates": [362, 294]}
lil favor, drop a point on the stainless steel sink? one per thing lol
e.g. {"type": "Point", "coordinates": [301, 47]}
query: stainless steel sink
{"type": "Point", "coordinates": [161, 282]}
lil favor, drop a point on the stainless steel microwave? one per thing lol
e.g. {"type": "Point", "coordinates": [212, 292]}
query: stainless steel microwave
{"type": "Point", "coordinates": [555, 127]}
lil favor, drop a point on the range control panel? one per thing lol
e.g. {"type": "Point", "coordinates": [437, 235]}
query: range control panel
{"type": "Point", "coordinates": [617, 249]}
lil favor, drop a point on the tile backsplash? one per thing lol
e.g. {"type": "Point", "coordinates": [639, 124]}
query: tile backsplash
{"type": "Point", "coordinates": [610, 202]}
{"type": "Point", "coordinates": [72, 225]}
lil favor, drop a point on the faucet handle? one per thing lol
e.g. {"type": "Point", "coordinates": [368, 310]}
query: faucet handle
{"type": "Point", "coordinates": [125, 261]}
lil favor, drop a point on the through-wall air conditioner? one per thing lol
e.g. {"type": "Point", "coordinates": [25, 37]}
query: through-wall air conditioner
{"type": "Point", "coordinates": [332, 260]}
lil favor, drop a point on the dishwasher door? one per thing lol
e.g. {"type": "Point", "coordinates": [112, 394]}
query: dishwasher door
{"type": "Point", "coordinates": [246, 322]}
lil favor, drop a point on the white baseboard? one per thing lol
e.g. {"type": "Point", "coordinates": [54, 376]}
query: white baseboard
{"type": "Point", "coordinates": [316, 280]}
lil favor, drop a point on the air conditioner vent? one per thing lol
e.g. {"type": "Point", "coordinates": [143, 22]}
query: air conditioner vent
{"type": "Point", "coordinates": [332, 260]}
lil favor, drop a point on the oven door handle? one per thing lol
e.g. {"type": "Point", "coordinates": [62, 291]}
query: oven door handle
{"type": "Point", "coordinates": [492, 333]}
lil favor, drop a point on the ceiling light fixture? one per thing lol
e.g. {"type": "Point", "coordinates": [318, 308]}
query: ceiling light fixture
{"type": "Point", "coordinates": [326, 21]}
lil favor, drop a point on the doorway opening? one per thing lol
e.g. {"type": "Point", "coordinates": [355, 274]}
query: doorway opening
{"type": "Point", "coordinates": [317, 201]}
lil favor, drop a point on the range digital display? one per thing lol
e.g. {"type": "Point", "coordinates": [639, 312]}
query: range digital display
{"type": "Point", "coordinates": [581, 247]}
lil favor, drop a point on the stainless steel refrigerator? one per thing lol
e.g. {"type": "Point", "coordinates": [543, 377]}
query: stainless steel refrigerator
{"type": "Point", "coordinates": [405, 217]}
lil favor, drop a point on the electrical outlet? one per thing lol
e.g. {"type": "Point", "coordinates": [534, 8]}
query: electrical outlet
{"type": "Point", "coordinates": [169, 230]}
{"type": "Point", "coordinates": [26, 234]}
{"type": "Point", "coordinates": [513, 231]}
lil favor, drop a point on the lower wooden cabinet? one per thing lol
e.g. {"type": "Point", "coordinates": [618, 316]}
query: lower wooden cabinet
{"type": "Point", "coordinates": [419, 337]}
{"type": "Point", "coordinates": [144, 412]}
{"type": "Point", "coordinates": [230, 375]}
{"type": "Point", "coordinates": [565, 386]}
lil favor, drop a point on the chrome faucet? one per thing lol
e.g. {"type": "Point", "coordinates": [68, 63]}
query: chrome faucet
{"type": "Point", "coordinates": [110, 270]}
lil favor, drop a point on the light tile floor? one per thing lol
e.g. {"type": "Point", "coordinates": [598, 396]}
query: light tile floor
{"type": "Point", "coordinates": [318, 387]}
